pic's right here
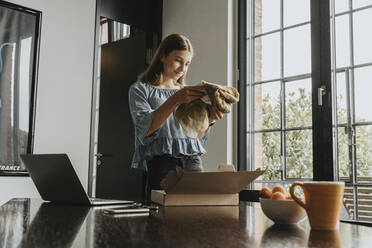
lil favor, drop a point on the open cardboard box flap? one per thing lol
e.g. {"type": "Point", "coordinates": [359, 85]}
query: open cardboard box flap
{"type": "Point", "coordinates": [223, 182]}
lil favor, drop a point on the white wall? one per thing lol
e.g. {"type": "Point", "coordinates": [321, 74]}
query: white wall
{"type": "Point", "coordinates": [64, 87]}
{"type": "Point", "coordinates": [211, 27]}
{"type": "Point", "coordinates": [66, 68]}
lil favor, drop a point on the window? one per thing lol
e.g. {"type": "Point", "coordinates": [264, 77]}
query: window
{"type": "Point", "coordinates": [353, 62]}
{"type": "Point", "coordinates": [19, 38]}
{"type": "Point", "coordinates": [280, 116]}
{"type": "Point", "coordinates": [281, 133]}
{"type": "Point", "coordinates": [111, 31]}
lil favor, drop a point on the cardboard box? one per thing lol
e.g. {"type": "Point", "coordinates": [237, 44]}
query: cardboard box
{"type": "Point", "coordinates": [162, 198]}
{"type": "Point", "coordinates": [184, 214]}
{"type": "Point", "coordinates": [203, 188]}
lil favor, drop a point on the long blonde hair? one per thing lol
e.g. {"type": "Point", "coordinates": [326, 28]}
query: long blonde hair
{"type": "Point", "coordinates": [153, 74]}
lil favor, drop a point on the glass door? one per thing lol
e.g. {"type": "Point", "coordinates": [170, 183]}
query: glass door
{"type": "Point", "coordinates": [352, 58]}
{"type": "Point", "coordinates": [281, 133]}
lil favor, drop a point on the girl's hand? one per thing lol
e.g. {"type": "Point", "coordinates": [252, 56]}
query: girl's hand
{"type": "Point", "coordinates": [214, 114]}
{"type": "Point", "coordinates": [188, 93]}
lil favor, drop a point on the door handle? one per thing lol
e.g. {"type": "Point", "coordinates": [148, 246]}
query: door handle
{"type": "Point", "coordinates": [321, 93]}
{"type": "Point", "coordinates": [100, 155]}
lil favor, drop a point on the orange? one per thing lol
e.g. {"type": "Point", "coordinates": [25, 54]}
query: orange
{"type": "Point", "coordinates": [278, 196]}
{"type": "Point", "coordinates": [279, 188]}
{"type": "Point", "coordinates": [288, 197]}
{"type": "Point", "coordinates": [265, 193]}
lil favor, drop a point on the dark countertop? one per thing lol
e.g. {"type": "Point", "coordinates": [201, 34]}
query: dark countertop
{"type": "Point", "coordinates": [32, 223]}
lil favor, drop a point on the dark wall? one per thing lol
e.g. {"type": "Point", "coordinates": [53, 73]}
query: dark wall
{"type": "Point", "coordinates": [144, 14]}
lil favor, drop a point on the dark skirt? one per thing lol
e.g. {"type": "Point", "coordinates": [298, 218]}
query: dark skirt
{"type": "Point", "coordinates": [159, 166]}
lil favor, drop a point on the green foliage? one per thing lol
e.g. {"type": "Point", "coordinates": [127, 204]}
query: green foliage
{"type": "Point", "coordinates": [363, 146]}
{"type": "Point", "coordinates": [299, 143]}
{"type": "Point", "coordinates": [271, 155]}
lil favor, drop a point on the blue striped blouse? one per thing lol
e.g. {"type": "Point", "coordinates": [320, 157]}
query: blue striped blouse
{"type": "Point", "coordinates": [170, 139]}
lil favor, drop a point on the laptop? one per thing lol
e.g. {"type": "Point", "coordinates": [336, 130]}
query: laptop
{"type": "Point", "coordinates": [56, 180]}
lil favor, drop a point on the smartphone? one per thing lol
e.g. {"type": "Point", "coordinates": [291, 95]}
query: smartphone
{"type": "Point", "coordinates": [126, 209]}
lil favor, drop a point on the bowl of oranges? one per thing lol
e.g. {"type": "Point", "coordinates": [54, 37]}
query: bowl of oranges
{"type": "Point", "coordinates": [279, 206]}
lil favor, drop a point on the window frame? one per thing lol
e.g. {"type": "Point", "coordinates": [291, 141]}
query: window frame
{"type": "Point", "coordinates": [320, 56]}
{"type": "Point", "coordinates": [325, 125]}
{"type": "Point", "coordinates": [351, 123]}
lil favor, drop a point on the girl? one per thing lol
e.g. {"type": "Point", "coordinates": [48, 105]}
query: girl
{"type": "Point", "coordinates": [160, 143]}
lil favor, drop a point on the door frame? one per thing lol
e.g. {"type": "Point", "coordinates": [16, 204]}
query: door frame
{"type": "Point", "coordinates": [143, 14]}
{"type": "Point", "coordinates": [93, 126]}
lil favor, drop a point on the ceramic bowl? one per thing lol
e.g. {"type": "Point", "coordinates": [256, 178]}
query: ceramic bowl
{"type": "Point", "coordinates": [282, 211]}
